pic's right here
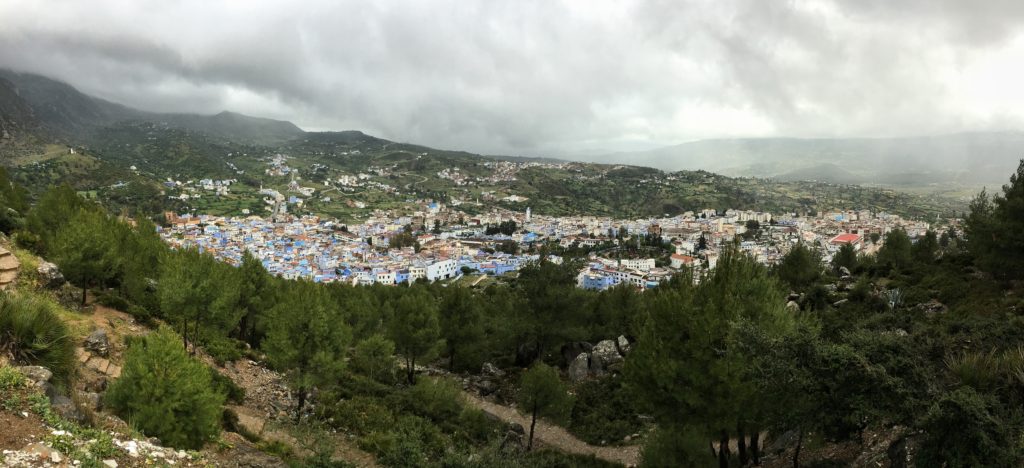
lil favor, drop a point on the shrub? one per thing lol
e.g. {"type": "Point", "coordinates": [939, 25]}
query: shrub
{"type": "Point", "coordinates": [165, 393]}
{"type": "Point", "coordinates": [33, 333]}
{"type": "Point", "coordinates": [436, 399]}
{"type": "Point", "coordinates": [113, 301]}
{"type": "Point", "coordinates": [603, 411]}
{"type": "Point", "coordinates": [374, 357]}
{"type": "Point", "coordinates": [221, 349]}
{"type": "Point", "coordinates": [141, 315]}
{"type": "Point", "coordinates": [362, 415]}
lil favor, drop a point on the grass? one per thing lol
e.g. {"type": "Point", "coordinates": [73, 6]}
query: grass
{"type": "Point", "coordinates": [32, 331]}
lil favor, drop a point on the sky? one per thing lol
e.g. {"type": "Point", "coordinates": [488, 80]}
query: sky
{"type": "Point", "coordinates": [544, 77]}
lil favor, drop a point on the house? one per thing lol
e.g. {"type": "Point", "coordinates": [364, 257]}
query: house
{"type": "Point", "coordinates": [680, 261]}
{"type": "Point", "coordinates": [853, 239]}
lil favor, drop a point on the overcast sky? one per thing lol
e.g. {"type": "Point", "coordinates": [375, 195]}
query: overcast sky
{"type": "Point", "coordinates": [544, 77]}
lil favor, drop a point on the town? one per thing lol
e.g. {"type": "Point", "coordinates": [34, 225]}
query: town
{"type": "Point", "coordinates": [436, 242]}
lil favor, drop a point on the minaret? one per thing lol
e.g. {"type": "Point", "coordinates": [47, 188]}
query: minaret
{"type": "Point", "coordinates": [527, 214]}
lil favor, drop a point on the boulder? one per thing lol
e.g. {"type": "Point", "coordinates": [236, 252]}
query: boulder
{"type": "Point", "coordinates": [843, 271]}
{"type": "Point", "coordinates": [793, 306]}
{"type": "Point", "coordinates": [623, 345]}
{"type": "Point", "coordinates": [579, 369]}
{"type": "Point", "coordinates": [98, 343]}
{"type": "Point", "coordinates": [492, 370]}
{"type": "Point", "coordinates": [91, 400]}
{"type": "Point", "coordinates": [486, 387]}
{"type": "Point", "coordinates": [39, 375]}
{"type": "Point", "coordinates": [604, 355]}
{"type": "Point", "coordinates": [66, 408]}
{"type": "Point", "coordinates": [932, 307]}
{"type": "Point", "coordinates": [50, 276]}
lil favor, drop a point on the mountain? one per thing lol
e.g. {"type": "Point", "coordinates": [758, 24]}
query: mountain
{"type": "Point", "coordinates": [962, 158]}
{"type": "Point", "coordinates": [16, 117]}
{"type": "Point", "coordinates": [64, 112]}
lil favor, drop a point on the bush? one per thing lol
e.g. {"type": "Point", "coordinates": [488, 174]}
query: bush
{"type": "Point", "coordinates": [603, 411]}
{"type": "Point", "coordinates": [436, 399]}
{"type": "Point", "coordinates": [165, 393]}
{"type": "Point", "coordinates": [221, 349]}
{"type": "Point", "coordinates": [362, 415]}
{"type": "Point", "coordinates": [141, 315]}
{"type": "Point", "coordinates": [113, 301]}
{"type": "Point", "coordinates": [33, 334]}
{"type": "Point", "coordinates": [374, 357]}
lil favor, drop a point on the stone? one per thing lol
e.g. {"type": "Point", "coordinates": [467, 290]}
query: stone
{"type": "Point", "coordinates": [66, 408]}
{"type": "Point", "coordinates": [840, 302]}
{"type": "Point", "coordinates": [492, 370]}
{"type": "Point", "coordinates": [99, 364]}
{"type": "Point", "coordinates": [114, 370]}
{"type": "Point", "coordinates": [623, 345]}
{"type": "Point", "coordinates": [579, 370]}
{"type": "Point", "coordinates": [932, 307]}
{"type": "Point", "coordinates": [843, 271]}
{"type": "Point", "coordinates": [98, 343]}
{"type": "Point", "coordinates": [486, 387]}
{"type": "Point", "coordinates": [604, 355]}
{"type": "Point", "coordinates": [110, 463]}
{"type": "Point", "coordinates": [41, 451]}
{"type": "Point", "coordinates": [792, 306]}
{"type": "Point", "coordinates": [91, 400]}
{"type": "Point", "coordinates": [50, 276]}
{"type": "Point", "coordinates": [39, 375]}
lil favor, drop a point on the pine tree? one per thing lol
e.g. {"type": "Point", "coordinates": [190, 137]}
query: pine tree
{"type": "Point", "coordinates": [542, 394]}
{"type": "Point", "coordinates": [85, 251]}
{"type": "Point", "coordinates": [165, 393]}
{"type": "Point", "coordinates": [414, 327]}
{"type": "Point", "coordinates": [461, 322]}
{"type": "Point", "coordinates": [307, 338]}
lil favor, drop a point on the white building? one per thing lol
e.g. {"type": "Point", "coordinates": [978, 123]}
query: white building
{"type": "Point", "coordinates": [641, 264]}
{"type": "Point", "coordinates": [441, 270]}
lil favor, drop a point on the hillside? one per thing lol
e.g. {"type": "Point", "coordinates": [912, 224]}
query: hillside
{"type": "Point", "coordinates": [965, 158]}
{"type": "Point", "coordinates": [124, 156]}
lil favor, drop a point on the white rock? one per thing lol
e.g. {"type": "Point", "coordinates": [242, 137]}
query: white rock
{"type": "Point", "coordinates": [110, 463]}
{"type": "Point", "coordinates": [55, 457]}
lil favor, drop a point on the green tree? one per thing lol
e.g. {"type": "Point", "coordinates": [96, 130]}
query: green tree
{"type": "Point", "coordinates": [307, 339]}
{"type": "Point", "coordinates": [374, 357]}
{"type": "Point", "coordinates": [925, 249]}
{"type": "Point", "coordinates": [55, 209]}
{"type": "Point", "coordinates": [197, 293]}
{"type": "Point", "coordinates": [846, 257]}
{"type": "Point", "coordinates": [553, 307]}
{"type": "Point", "coordinates": [689, 368]}
{"type": "Point", "coordinates": [414, 327]}
{"type": "Point", "coordinates": [799, 268]}
{"type": "Point", "coordinates": [962, 430]}
{"type": "Point", "coordinates": [461, 323]}
{"type": "Point", "coordinates": [995, 229]}
{"type": "Point", "coordinates": [253, 296]}
{"type": "Point", "coordinates": [895, 252]}
{"type": "Point", "coordinates": [543, 394]}
{"type": "Point", "coordinates": [165, 393]}
{"type": "Point", "coordinates": [85, 251]}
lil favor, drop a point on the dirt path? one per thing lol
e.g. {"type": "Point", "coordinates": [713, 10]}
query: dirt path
{"type": "Point", "coordinates": [557, 437]}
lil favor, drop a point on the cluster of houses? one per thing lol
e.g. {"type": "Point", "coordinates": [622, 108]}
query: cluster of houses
{"type": "Point", "coordinates": [327, 251]}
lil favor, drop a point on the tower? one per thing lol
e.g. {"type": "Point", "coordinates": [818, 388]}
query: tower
{"type": "Point", "coordinates": [527, 214]}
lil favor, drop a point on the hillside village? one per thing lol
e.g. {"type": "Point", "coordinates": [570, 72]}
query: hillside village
{"type": "Point", "coordinates": [321, 250]}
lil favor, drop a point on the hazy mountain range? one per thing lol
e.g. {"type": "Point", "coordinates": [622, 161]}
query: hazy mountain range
{"type": "Point", "coordinates": [35, 105]}
{"type": "Point", "coordinates": [963, 158]}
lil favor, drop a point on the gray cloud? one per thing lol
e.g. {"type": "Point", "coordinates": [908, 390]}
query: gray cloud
{"type": "Point", "coordinates": [542, 77]}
